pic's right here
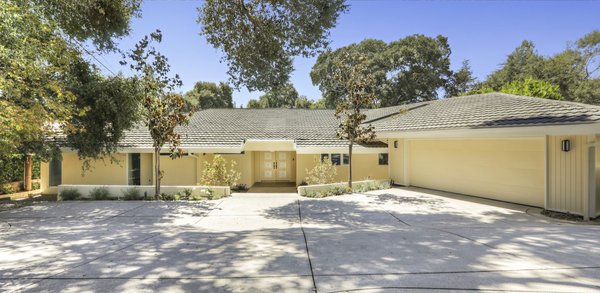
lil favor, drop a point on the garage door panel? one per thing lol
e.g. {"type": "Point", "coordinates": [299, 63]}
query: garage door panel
{"type": "Point", "coordinates": [509, 170]}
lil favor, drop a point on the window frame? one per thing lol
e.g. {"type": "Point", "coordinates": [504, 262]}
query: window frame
{"type": "Point", "coordinates": [339, 159]}
{"type": "Point", "coordinates": [383, 155]}
{"type": "Point", "coordinates": [54, 176]}
{"type": "Point", "coordinates": [345, 159]}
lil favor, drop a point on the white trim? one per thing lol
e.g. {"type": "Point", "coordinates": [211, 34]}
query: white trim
{"type": "Point", "coordinates": [406, 154]}
{"type": "Point", "coordinates": [355, 150]}
{"type": "Point", "coordinates": [546, 173]}
{"type": "Point", "coordinates": [517, 131]}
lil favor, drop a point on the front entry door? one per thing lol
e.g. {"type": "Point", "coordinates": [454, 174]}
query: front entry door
{"type": "Point", "coordinates": [276, 166]}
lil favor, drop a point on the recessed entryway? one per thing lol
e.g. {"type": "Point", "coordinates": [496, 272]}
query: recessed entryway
{"type": "Point", "coordinates": [273, 187]}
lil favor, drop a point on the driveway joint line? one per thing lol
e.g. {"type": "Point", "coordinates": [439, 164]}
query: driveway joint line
{"type": "Point", "coordinates": [64, 270]}
{"type": "Point", "coordinates": [207, 214]}
{"type": "Point", "coordinates": [127, 211]}
{"type": "Point", "coordinates": [312, 273]}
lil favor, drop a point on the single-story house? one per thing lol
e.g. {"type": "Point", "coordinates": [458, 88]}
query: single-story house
{"type": "Point", "coordinates": [511, 148]}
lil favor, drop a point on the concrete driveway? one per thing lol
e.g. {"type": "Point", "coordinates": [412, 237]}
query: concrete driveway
{"type": "Point", "coordinates": [390, 240]}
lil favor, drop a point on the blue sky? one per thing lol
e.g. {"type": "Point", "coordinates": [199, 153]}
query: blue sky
{"type": "Point", "coordinates": [482, 31]}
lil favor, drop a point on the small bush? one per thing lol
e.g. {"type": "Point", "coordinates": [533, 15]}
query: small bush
{"type": "Point", "coordinates": [169, 197]}
{"type": "Point", "coordinates": [132, 193]}
{"type": "Point", "coordinates": [240, 188]}
{"type": "Point", "coordinates": [216, 173]}
{"type": "Point", "coordinates": [70, 194]}
{"type": "Point", "coordinates": [322, 173]}
{"type": "Point", "coordinates": [196, 197]}
{"type": "Point", "coordinates": [35, 185]}
{"type": "Point", "coordinates": [100, 193]}
{"type": "Point", "coordinates": [329, 191]}
{"type": "Point", "coordinates": [7, 189]}
{"type": "Point", "coordinates": [185, 194]}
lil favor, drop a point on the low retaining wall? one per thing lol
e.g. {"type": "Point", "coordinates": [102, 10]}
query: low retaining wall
{"type": "Point", "coordinates": [303, 189]}
{"type": "Point", "coordinates": [116, 191]}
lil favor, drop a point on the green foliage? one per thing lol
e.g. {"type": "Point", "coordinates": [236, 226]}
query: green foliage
{"type": "Point", "coordinates": [460, 82]}
{"type": "Point", "coordinates": [7, 189]}
{"type": "Point", "coordinates": [253, 104]}
{"type": "Point", "coordinates": [216, 173]}
{"type": "Point", "coordinates": [132, 193]}
{"type": "Point", "coordinates": [319, 104]}
{"type": "Point", "coordinates": [35, 185]}
{"type": "Point", "coordinates": [113, 107]}
{"type": "Point", "coordinates": [39, 45]}
{"type": "Point", "coordinates": [370, 185]}
{"type": "Point", "coordinates": [408, 70]}
{"type": "Point", "coordinates": [100, 193]}
{"type": "Point", "coordinates": [533, 88]}
{"type": "Point", "coordinates": [70, 194]}
{"type": "Point", "coordinates": [260, 38]}
{"type": "Point", "coordinates": [169, 197]}
{"type": "Point", "coordinates": [95, 20]}
{"type": "Point", "coordinates": [329, 191]}
{"type": "Point", "coordinates": [358, 85]}
{"type": "Point", "coordinates": [321, 173]}
{"type": "Point", "coordinates": [207, 95]}
{"type": "Point", "coordinates": [239, 188]}
{"type": "Point", "coordinates": [280, 97]}
{"type": "Point", "coordinates": [163, 110]}
{"type": "Point", "coordinates": [574, 71]}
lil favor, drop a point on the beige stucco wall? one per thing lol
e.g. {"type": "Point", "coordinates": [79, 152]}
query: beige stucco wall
{"type": "Point", "coordinates": [45, 179]}
{"type": "Point", "coordinates": [146, 169]}
{"type": "Point", "coordinates": [503, 169]}
{"type": "Point", "coordinates": [567, 174]}
{"type": "Point", "coordinates": [102, 172]}
{"type": "Point", "coordinates": [179, 171]}
{"type": "Point", "coordinates": [597, 176]}
{"type": "Point", "coordinates": [365, 166]}
{"type": "Point", "coordinates": [396, 161]}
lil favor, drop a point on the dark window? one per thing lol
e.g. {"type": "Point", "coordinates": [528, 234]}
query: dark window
{"type": "Point", "coordinates": [346, 159]}
{"type": "Point", "coordinates": [134, 169]}
{"type": "Point", "coordinates": [55, 172]}
{"type": "Point", "coordinates": [383, 159]}
{"type": "Point", "coordinates": [336, 159]}
{"type": "Point", "coordinates": [324, 158]}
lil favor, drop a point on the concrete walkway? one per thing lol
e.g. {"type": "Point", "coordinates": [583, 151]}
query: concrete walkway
{"type": "Point", "coordinates": [381, 241]}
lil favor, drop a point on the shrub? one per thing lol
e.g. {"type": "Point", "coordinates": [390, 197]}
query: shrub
{"type": "Point", "coordinates": [169, 197]}
{"type": "Point", "coordinates": [185, 194]}
{"type": "Point", "coordinates": [329, 191]}
{"type": "Point", "coordinates": [240, 188]}
{"type": "Point", "coordinates": [70, 194]}
{"type": "Point", "coordinates": [216, 173]}
{"type": "Point", "coordinates": [132, 193]}
{"type": "Point", "coordinates": [196, 197]}
{"type": "Point", "coordinates": [7, 188]}
{"type": "Point", "coordinates": [322, 173]}
{"type": "Point", "coordinates": [35, 185]}
{"type": "Point", "coordinates": [371, 185]}
{"type": "Point", "coordinates": [100, 193]}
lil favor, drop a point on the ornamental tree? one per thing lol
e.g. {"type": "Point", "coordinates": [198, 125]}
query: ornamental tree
{"type": "Point", "coordinates": [163, 110]}
{"type": "Point", "coordinates": [354, 79]}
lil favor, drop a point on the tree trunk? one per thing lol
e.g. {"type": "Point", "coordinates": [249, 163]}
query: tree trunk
{"type": "Point", "coordinates": [350, 164]}
{"type": "Point", "coordinates": [28, 172]}
{"type": "Point", "coordinates": [157, 172]}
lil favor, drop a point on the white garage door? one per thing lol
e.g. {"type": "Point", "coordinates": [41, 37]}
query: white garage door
{"type": "Point", "coordinates": [503, 169]}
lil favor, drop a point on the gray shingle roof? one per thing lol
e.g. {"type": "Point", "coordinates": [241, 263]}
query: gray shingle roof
{"type": "Point", "coordinates": [493, 110]}
{"type": "Point", "coordinates": [218, 128]}
{"type": "Point", "coordinates": [231, 127]}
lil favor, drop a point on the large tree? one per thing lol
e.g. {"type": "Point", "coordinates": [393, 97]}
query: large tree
{"type": "Point", "coordinates": [357, 83]}
{"type": "Point", "coordinates": [39, 45]}
{"type": "Point", "coordinates": [280, 97]}
{"type": "Point", "coordinates": [574, 71]}
{"type": "Point", "coordinates": [163, 109]}
{"type": "Point", "coordinates": [412, 69]}
{"type": "Point", "coordinates": [207, 95]}
{"type": "Point", "coordinates": [259, 38]}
